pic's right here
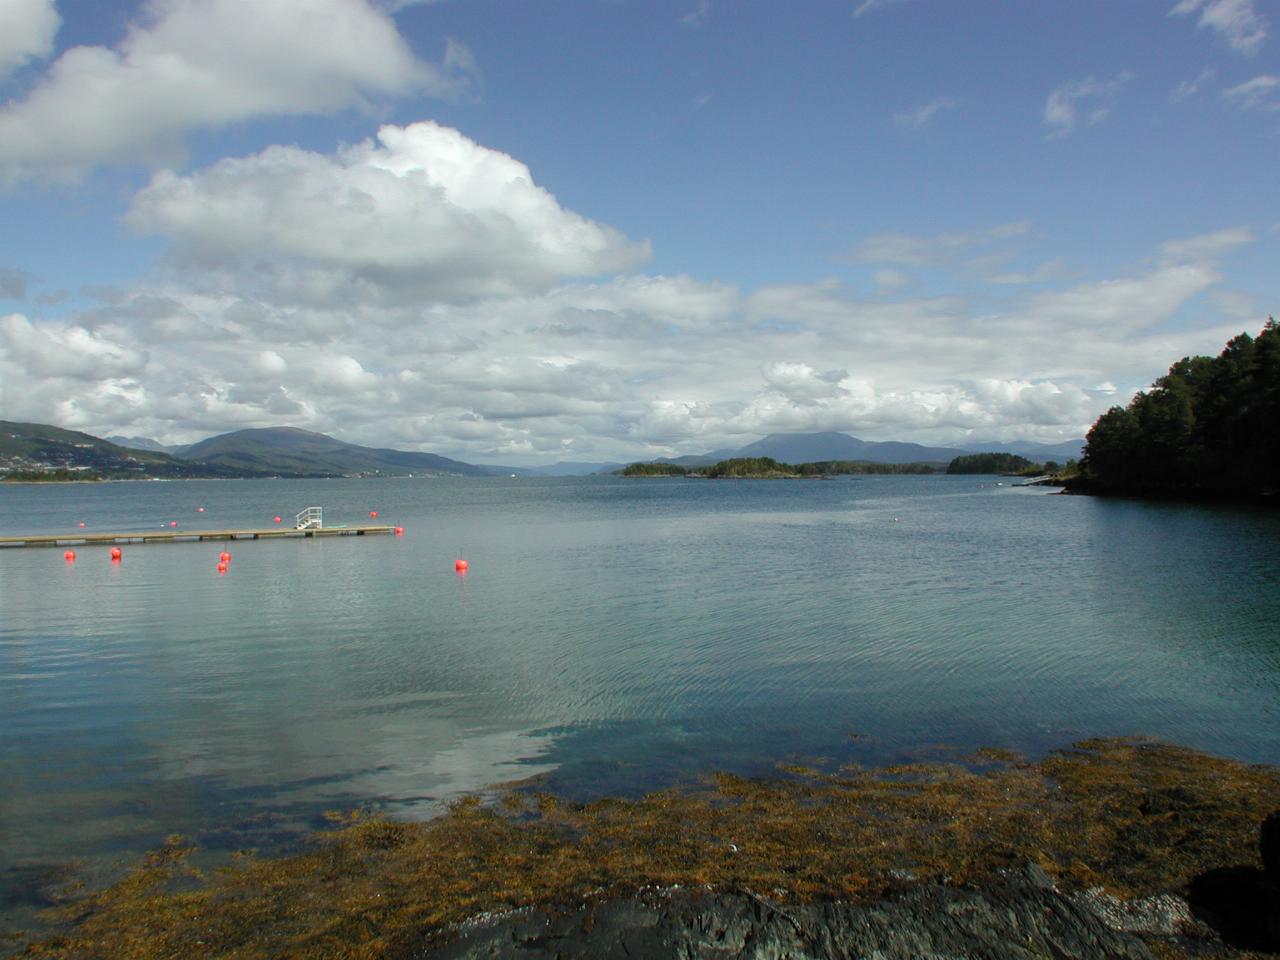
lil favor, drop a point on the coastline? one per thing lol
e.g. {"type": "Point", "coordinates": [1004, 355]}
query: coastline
{"type": "Point", "coordinates": [1097, 830]}
{"type": "Point", "coordinates": [1081, 487]}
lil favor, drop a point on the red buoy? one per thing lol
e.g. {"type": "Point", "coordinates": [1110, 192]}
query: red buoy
{"type": "Point", "coordinates": [399, 531]}
{"type": "Point", "coordinates": [224, 557]}
{"type": "Point", "coordinates": [373, 514]}
{"type": "Point", "coordinates": [276, 519]}
{"type": "Point", "coordinates": [69, 556]}
{"type": "Point", "coordinates": [82, 523]}
{"type": "Point", "coordinates": [199, 509]}
{"type": "Point", "coordinates": [460, 566]}
{"type": "Point", "coordinates": [173, 523]}
{"type": "Point", "coordinates": [222, 566]}
{"type": "Point", "coordinates": [115, 553]}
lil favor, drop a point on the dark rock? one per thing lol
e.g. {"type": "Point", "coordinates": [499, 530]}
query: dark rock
{"type": "Point", "coordinates": [1242, 903]}
{"type": "Point", "coordinates": [1018, 915]}
{"type": "Point", "coordinates": [1269, 845]}
{"type": "Point", "coordinates": [1239, 903]}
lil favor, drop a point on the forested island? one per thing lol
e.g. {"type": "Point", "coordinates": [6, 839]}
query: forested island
{"type": "Point", "coordinates": [1208, 428]}
{"type": "Point", "coordinates": [757, 468]}
{"type": "Point", "coordinates": [767, 468]}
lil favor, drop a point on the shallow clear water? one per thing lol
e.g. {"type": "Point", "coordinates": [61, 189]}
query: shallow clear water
{"type": "Point", "coordinates": [612, 634]}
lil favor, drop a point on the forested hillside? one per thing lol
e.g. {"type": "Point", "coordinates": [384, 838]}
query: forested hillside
{"type": "Point", "coordinates": [1210, 427]}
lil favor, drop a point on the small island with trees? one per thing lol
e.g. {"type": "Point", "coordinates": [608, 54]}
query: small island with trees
{"type": "Point", "coordinates": [767, 468]}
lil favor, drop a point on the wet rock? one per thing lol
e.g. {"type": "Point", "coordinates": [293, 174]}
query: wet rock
{"type": "Point", "coordinates": [1018, 915]}
{"type": "Point", "coordinates": [1162, 915]}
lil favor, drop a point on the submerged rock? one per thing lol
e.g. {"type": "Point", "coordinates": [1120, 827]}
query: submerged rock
{"type": "Point", "coordinates": [1018, 915]}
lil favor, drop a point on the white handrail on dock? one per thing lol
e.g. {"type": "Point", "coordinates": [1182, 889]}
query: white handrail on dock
{"type": "Point", "coordinates": [311, 518]}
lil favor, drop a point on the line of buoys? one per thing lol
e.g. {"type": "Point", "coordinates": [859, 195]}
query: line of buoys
{"type": "Point", "coordinates": [69, 556]}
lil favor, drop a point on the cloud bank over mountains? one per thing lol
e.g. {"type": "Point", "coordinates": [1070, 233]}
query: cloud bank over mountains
{"type": "Point", "coordinates": [421, 289]}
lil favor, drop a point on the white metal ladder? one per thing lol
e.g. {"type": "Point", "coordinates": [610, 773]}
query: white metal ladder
{"type": "Point", "coordinates": [311, 518]}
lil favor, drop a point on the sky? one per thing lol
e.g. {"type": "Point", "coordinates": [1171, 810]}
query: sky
{"type": "Point", "coordinates": [526, 231]}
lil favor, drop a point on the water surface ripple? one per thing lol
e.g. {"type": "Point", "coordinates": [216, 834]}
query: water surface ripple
{"type": "Point", "coordinates": [612, 634]}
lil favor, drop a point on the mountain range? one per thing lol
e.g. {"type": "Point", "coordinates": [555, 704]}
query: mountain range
{"type": "Point", "coordinates": [289, 451]}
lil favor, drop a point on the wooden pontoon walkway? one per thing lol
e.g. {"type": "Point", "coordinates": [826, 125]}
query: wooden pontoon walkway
{"type": "Point", "coordinates": [175, 535]}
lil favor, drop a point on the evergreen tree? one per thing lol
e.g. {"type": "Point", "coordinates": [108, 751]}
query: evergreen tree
{"type": "Point", "coordinates": [1210, 426]}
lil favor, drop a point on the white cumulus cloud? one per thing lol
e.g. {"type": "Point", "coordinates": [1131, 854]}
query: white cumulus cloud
{"type": "Point", "coordinates": [193, 64]}
{"type": "Point", "coordinates": [27, 29]}
{"type": "Point", "coordinates": [423, 209]}
{"type": "Point", "coordinates": [65, 351]}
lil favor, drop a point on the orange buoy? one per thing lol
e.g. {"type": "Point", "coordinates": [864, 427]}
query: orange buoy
{"type": "Point", "coordinates": [224, 557]}
{"type": "Point", "coordinates": [115, 553]}
{"type": "Point", "coordinates": [276, 519]}
{"type": "Point", "coordinates": [460, 566]}
{"type": "Point", "coordinates": [222, 566]}
{"type": "Point", "coordinates": [173, 523]}
{"type": "Point", "coordinates": [373, 514]}
{"type": "Point", "coordinates": [82, 523]}
{"type": "Point", "coordinates": [399, 531]}
{"type": "Point", "coordinates": [69, 556]}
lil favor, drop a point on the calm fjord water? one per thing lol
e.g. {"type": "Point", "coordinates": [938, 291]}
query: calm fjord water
{"type": "Point", "coordinates": [614, 634]}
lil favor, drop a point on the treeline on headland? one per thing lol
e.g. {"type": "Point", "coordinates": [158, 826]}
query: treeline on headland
{"type": "Point", "coordinates": [1208, 428]}
{"type": "Point", "coordinates": [768, 468]}
{"type": "Point", "coordinates": [1009, 463]}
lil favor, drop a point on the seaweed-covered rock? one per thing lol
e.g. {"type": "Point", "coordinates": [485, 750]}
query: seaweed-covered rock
{"type": "Point", "coordinates": [1018, 915]}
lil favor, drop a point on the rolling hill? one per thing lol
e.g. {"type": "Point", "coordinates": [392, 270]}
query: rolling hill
{"type": "Point", "coordinates": [36, 448]}
{"type": "Point", "coordinates": [289, 450]}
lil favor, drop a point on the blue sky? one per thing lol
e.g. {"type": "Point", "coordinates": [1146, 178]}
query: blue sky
{"type": "Point", "coordinates": [529, 231]}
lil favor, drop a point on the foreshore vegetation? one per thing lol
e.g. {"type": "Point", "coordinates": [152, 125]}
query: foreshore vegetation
{"type": "Point", "coordinates": [1134, 817]}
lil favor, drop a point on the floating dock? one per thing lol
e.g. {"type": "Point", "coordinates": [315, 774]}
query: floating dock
{"type": "Point", "coordinates": [179, 536]}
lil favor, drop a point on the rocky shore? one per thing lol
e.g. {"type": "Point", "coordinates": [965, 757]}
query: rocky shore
{"type": "Point", "coordinates": [1114, 848]}
{"type": "Point", "coordinates": [1017, 915]}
